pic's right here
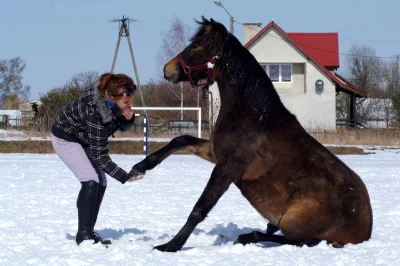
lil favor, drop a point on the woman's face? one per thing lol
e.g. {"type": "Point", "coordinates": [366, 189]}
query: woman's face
{"type": "Point", "coordinates": [121, 98]}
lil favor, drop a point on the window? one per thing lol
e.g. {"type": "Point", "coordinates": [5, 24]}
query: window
{"type": "Point", "coordinates": [286, 73]}
{"type": "Point", "coordinates": [278, 72]}
{"type": "Point", "coordinates": [274, 73]}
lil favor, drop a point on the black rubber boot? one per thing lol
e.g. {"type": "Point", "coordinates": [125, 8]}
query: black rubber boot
{"type": "Point", "coordinates": [86, 209]}
{"type": "Point", "coordinates": [100, 194]}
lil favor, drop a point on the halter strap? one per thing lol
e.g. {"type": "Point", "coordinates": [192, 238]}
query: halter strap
{"type": "Point", "coordinates": [209, 66]}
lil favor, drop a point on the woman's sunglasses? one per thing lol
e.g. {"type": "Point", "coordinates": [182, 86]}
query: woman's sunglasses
{"type": "Point", "coordinates": [128, 92]}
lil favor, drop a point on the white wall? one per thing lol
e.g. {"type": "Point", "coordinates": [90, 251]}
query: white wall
{"type": "Point", "coordinates": [214, 103]}
{"type": "Point", "coordinates": [314, 111]}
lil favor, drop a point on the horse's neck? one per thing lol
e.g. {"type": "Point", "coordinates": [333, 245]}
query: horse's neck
{"type": "Point", "coordinates": [260, 101]}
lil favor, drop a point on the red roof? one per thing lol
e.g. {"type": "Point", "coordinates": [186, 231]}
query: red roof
{"type": "Point", "coordinates": [321, 48]}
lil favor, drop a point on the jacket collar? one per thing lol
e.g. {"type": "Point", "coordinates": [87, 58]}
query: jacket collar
{"type": "Point", "coordinates": [100, 101]}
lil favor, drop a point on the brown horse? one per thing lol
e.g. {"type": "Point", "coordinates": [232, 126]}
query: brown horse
{"type": "Point", "coordinates": [292, 180]}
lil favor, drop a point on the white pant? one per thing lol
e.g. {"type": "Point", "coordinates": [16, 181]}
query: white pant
{"type": "Point", "coordinates": [79, 160]}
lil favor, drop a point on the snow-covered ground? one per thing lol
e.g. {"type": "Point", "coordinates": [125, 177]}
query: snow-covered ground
{"type": "Point", "coordinates": [11, 134]}
{"type": "Point", "coordinates": [38, 217]}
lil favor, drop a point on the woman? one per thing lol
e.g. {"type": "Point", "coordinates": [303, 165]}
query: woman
{"type": "Point", "coordinates": [80, 138]}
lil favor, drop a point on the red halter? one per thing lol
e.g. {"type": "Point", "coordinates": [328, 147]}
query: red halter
{"type": "Point", "coordinates": [209, 66]}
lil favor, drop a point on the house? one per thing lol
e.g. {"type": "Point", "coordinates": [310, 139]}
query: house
{"type": "Point", "coordinates": [29, 111]}
{"type": "Point", "coordinates": [302, 68]}
{"type": "Point", "coordinates": [26, 114]}
{"type": "Point", "coordinates": [9, 118]}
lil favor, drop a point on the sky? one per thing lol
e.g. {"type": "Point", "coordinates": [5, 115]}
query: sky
{"type": "Point", "coordinates": [38, 217]}
{"type": "Point", "coordinates": [60, 38]}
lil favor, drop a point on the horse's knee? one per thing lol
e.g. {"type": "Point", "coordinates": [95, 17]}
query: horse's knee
{"type": "Point", "coordinates": [180, 141]}
{"type": "Point", "coordinates": [196, 216]}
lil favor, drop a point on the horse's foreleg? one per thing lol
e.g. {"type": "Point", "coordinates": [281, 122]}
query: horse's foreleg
{"type": "Point", "coordinates": [216, 187]}
{"type": "Point", "coordinates": [199, 147]}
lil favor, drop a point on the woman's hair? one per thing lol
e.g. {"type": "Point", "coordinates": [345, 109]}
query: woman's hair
{"type": "Point", "coordinates": [110, 83]}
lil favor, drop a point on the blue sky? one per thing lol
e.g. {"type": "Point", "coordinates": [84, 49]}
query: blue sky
{"type": "Point", "coordinates": [58, 38]}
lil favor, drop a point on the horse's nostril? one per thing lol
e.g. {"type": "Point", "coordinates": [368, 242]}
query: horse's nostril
{"type": "Point", "coordinates": [169, 71]}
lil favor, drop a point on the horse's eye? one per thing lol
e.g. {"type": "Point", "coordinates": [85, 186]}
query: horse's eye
{"type": "Point", "coordinates": [194, 46]}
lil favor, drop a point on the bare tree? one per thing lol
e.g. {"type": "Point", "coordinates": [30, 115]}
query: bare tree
{"type": "Point", "coordinates": [174, 40]}
{"type": "Point", "coordinates": [366, 74]}
{"type": "Point", "coordinates": [393, 85]}
{"type": "Point", "coordinates": [55, 99]}
{"type": "Point", "coordinates": [11, 81]}
{"type": "Point", "coordinates": [82, 80]}
{"type": "Point", "coordinates": [12, 102]}
{"type": "Point", "coordinates": [342, 106]}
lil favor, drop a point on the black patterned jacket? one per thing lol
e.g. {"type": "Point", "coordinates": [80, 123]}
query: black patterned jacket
{"type": "Point", "coordinates": [88, 121]}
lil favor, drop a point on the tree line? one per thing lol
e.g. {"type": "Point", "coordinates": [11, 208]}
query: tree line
{"type": "Point", "coordinates": [378, 78]}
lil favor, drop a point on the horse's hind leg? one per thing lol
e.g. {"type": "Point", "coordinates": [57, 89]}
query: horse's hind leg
{"type": "Point", "coordinates": [255, 237]}
{"type": "Point", "coordinates": [272, 229]}
{"type": "Point", "coordinates": [199, 147]}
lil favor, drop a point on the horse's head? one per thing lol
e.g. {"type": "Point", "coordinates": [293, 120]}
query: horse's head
{"type": "Point", "coordinates": [197, 60]}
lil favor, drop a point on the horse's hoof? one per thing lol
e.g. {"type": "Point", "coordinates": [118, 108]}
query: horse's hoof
{"type": "Point", "coordinates": [167, 248]}
{"type": "Point", "coordinates": [135, 173]}
{"type": "Point", "coordinates": [334, 244]}
{"type": "Point", "coordinates": [242, 239]}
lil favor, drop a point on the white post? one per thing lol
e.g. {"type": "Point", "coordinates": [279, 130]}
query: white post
{"type": "Point", "coordinates": [198, 109]}
{"type": "Point", "coordinates": [199, 124]}
{"type": "Point", "coordinates": [181, 100]}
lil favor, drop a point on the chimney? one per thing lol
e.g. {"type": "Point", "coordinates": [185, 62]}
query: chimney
{"type": "Point", "coordinates": [250, 30]}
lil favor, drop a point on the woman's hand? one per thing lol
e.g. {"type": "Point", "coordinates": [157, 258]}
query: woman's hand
{"type": "Point", "coordinates": [128, 113]}
{"type": "Point", "coordinates": [135, 178]}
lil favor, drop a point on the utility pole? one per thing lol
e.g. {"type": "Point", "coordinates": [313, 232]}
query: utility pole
{"type": "Point", "coordinates": [124, 32]}
{"type": "Point", "coordinates": [231, 19]}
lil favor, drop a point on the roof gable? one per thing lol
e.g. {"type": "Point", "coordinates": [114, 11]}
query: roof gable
{"type": "Point", "coordinates": [311, 45]}
{"type": "Point", "coordinates": [322, 47]}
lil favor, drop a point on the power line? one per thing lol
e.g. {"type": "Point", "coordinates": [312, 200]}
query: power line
{"type": "Point", "coordinates": [47, 21]}
{"type": "Point", "coordinates": [366, 40]}
{"type": "Point", "coordinates": [329, 51]}
{"type": "Point", "coordinates": [51, 21]}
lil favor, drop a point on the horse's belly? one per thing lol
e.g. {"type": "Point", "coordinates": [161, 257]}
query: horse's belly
{"type": "Point", "coordinates": [267, 198]}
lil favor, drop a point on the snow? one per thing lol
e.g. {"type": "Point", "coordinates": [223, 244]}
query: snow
{"type": "Point", "coordinates": [38, 217]}
{"type": "Point", "coordinates": [6, 134]}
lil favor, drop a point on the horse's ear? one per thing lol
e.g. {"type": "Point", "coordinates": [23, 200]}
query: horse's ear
{"type": "Point", "coordinates": [205, 21]}
{"type": "Point", "coordinates": [212, 20]}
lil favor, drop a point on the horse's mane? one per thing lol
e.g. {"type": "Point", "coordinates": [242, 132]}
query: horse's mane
{"type": "Point", "coordinates": [255, 91]}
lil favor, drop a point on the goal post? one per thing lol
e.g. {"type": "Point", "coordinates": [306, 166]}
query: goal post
{"type": "Point", "coordinates": [198, 109]}
{"type": "Point", "coordinates": [145, 134]}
